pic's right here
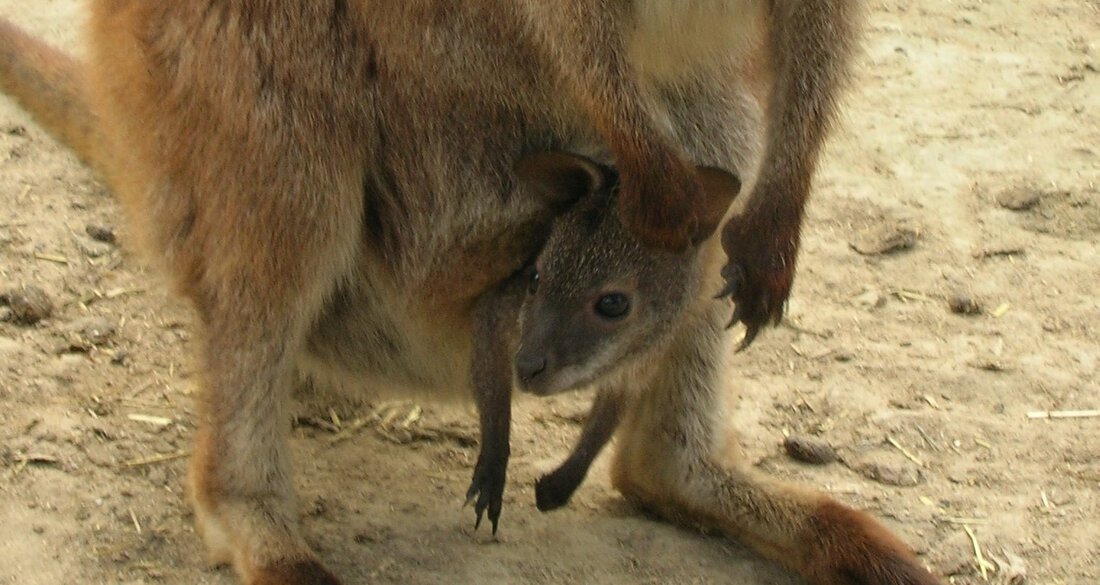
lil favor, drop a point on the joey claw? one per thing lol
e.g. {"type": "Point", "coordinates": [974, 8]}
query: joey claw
{"type": "Point", "coordinates": [495, 508]}
{"type": "Point", "coordinates": [479, 511]}
{"type": "Point", "coordinates": [486, 491]}
{"type": "Point", "coordinates": [486, 502]}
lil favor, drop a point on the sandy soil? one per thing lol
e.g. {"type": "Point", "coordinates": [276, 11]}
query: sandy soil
{"type": "Point", "coordinates": [963, 110]}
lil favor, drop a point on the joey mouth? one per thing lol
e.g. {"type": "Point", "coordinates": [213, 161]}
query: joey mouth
{"type": "Point", "coordinates": [536, 373]}
{"type": "Point", "coordinates": [545, 374]}
{"type": "Point", "coordinates": [551, 383]}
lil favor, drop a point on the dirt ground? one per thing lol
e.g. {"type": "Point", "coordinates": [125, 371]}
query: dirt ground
{"type": "Point", "coordinates": [971, 141]}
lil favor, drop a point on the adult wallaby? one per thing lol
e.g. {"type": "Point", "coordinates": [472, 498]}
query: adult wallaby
{"type": "Point", "coordinates": [607, 306]}
{"type": "Point", "coordinates": [330, 184]}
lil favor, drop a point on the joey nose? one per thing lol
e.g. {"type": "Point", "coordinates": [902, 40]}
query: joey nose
{"type": "Point", "coordinates": [529, 366]}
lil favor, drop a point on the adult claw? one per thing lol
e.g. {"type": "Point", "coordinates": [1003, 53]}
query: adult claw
{"type": "Point", "coordinates": [758, 275]}
{"type": "Point", "coordinates": [750, 336]}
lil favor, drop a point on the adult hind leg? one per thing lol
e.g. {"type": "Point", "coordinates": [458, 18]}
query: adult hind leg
{"type": "Point", "coordinates": [240, 482]}
{"type": "Point", "coordinates": [265, 275]}
{"type": "Point", "coordinates": [260, 292]}
{"type": "Point", "coordinates": [670, 460]}
{"type": "Point", "coordinates": [244, 162]}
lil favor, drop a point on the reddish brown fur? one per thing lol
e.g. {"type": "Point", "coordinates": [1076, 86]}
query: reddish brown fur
{"type": "Point", "coordinates": [850, 547]}
{"type": "Point", "coordinates": [50, 85]}
{"type": "Point", "coordinates": [300, 573]}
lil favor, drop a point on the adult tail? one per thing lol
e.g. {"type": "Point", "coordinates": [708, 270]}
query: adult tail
{"type": "Point", "coordinates": [50, 85]}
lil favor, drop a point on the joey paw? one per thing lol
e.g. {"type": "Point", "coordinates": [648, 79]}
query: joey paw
{"type": "Point", "coordinates": [486, 490]}
{"type": "Point", "coordinates": [553, 490]}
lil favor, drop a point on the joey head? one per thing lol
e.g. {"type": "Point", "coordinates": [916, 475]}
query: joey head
{"type": "Point", "coordinates": [592, 307]}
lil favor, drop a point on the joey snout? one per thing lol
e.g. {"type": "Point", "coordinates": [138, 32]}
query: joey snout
{"type": "Point", "coordinates": [566, 344]}
{"type": "Point", "coordinates": [533, 369]}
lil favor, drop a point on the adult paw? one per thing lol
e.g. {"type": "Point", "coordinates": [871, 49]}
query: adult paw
{"type": "Point", "coordinates": [761, 249]}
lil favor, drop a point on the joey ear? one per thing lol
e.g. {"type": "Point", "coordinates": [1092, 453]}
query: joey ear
{"type": "Point", "coordinates": [559, 178]}
{"type": "Point", "coordinates": [719, 188]}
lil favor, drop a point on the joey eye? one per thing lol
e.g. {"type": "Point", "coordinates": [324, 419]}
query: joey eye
{"type": "Point", "coordinates": [613, 306]}
{"type": "Point", "coordinates": [532, 280]}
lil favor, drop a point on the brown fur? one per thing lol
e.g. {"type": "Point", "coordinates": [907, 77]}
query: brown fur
{"type": "Point", "coordinates": [50, 84]}
{"type": "Point", "coordinates": [332, 199]}
{"type": "Point", "coordinates": [308, 572]}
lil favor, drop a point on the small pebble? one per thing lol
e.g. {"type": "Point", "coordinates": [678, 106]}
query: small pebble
{"type": "Point", "coordinates": [870, 300]}
{"type": "Point", "coordinates": [952, 555]}
{"type": "Point", "coordinates": [85, 334]}
{"type": "Point", "coordinates": [1061, 498]}
{"type": "Point", "coordinates": [884, 239]}
{"type": "Point", "coordinates": [964, 305]}
{"type": "Point", "coordinates": [95, 249]}
{"type": "Point", "coordinates": [844, 356]}
{"type": "Point", "coordinates": [100, 233]}
{"type": "Point", "coordinates": [96, 330]}
{"type": "Point", "coordinates": [809, 450]}
{"type": "Point", "coordinates": [28, 304]}
{"type": "Point", "coordinates": [100, 454]}
{"type": "Point", "coordinates": [895, 475]}
{"type": "Point", "coordinates": [1019, 199]}
{"type": "Point", "coordinates": [158, 476]}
